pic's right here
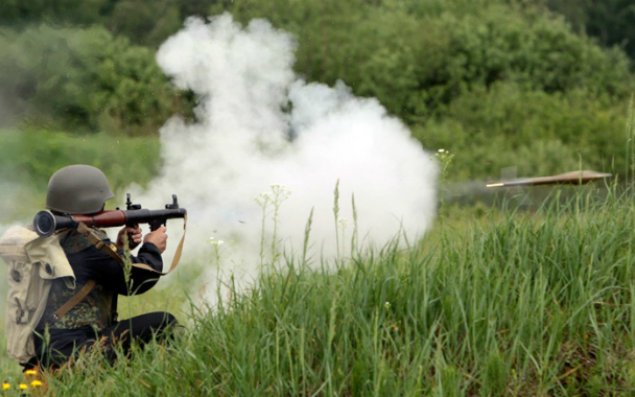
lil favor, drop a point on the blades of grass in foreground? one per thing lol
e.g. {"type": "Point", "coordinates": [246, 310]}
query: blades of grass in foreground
{"type": "Point", "coordinates": [527, 304]}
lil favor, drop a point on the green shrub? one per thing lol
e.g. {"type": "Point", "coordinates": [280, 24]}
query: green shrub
{"type": "Point", "coordinates": [85, 79]}
{"type": "Point", "coordinates": [418, 57]}
{"type": "Point", "coordinates": [538, 133]}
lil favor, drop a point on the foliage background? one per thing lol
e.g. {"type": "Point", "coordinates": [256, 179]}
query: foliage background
{"type": "Point", "coordinates": [542, 86]}
{"type": "Point", "coordinates": [490, 303]}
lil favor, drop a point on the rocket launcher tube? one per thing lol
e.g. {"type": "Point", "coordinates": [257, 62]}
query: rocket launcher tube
{"type": "Point", "coordinates": [46, 223]}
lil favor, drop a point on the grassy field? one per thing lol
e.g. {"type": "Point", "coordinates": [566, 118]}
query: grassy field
{"type": "Point", "coordinates": [494, 303]}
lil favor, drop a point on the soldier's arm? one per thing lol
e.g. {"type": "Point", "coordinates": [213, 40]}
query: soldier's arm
{"type": "Point", "coordinates": [95, 264]}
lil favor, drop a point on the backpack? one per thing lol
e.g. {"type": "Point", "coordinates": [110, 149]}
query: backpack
{"type": "Point", "coordinates": [33, 262]}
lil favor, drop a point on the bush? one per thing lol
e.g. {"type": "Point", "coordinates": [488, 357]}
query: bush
{"type": "Point", "coordinates": [418, 57]}
{"type": "Point", "coordinates": [536, 132]}
{"type": "Point", "coordinates": [83, 79]}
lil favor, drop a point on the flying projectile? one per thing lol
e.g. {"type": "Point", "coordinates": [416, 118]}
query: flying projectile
{"type": "Point", "coordinates": [568, 178]}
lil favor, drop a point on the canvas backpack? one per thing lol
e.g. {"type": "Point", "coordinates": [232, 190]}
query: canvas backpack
{"type": "Point", "coordinates": [33, 262]}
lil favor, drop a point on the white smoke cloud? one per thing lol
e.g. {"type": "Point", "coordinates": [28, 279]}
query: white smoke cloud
{"type": "Point", "coordinates": [251, 102]}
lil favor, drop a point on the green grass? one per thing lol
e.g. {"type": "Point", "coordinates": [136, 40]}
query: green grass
{"type": "Point", "coordinates": [492, 302]}
{"type": "Point", "coordinates": [509, 303]}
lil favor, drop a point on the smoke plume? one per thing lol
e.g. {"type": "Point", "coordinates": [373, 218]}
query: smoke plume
{"type": "Point", "coordinates": [269, 149]}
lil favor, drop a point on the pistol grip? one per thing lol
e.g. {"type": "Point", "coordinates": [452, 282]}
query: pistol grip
{"type": "Point", "coordinates": [156, 223]}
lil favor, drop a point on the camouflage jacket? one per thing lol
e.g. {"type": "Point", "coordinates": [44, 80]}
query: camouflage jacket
{"type": "Point", "coordinates": [98, 309]}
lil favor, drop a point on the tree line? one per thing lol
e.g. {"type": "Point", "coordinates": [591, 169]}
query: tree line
{"type": "Point", "coordinates": [545, 81]}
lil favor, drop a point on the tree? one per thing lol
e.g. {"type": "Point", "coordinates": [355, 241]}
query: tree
{"type": "Point", "coordinates": [84, 78]}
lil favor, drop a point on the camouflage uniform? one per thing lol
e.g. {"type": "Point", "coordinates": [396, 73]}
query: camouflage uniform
{"type": "Point", "coordinates": [94, 318]}
{"type": "Point", "coordinates": [95, 310]}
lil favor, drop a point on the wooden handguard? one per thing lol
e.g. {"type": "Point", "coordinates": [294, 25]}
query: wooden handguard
{"type": "Point", "coordinates": [45, 223]}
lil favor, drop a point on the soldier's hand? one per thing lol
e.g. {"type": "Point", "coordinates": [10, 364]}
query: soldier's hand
{"type": "Point", "coordinates": [158, 237]}
{"type": "Point", "coordinates": [132, 233]}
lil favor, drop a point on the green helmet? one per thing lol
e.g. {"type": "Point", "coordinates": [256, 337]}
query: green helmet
{"type": "Point", "coordinates": [78, 189]}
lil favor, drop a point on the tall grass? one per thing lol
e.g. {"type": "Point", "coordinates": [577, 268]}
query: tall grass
{"type": "Point", "coordinates": [522, 304]}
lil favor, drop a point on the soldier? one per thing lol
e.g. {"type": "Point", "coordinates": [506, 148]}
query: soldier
{"type": "Point", "coordinates": [71, 324]}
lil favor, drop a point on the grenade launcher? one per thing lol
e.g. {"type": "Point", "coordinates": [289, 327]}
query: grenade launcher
{"type": "Point", "coordinates": [46, 223]}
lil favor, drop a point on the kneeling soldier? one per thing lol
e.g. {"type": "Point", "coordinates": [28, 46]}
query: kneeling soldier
{"type": "Point", "coordinates": [83, 315]}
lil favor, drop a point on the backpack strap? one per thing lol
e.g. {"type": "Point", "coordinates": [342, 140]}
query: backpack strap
{"type": "Point", "coordinates": [75, 299]}
{"type": "Point", "coordinates": [110, 249]}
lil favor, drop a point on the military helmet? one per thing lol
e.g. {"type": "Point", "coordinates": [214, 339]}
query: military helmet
{"type": "Point", "coordinates": [78, 189]}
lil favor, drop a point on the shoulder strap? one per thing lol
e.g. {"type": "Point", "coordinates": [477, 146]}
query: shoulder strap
{"type": "Point", "coordinates": [109, 249]}
{"type": "Point", "coordinates": [75, 299]}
